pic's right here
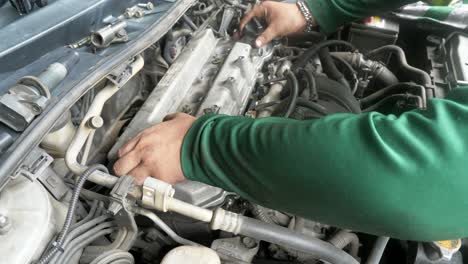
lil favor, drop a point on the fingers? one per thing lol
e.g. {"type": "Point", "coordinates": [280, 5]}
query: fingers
{"type": "Point", "coordinates": [129, 146]}
{"type": "Point", "coordinates": [257, 11]}
{"type": "Point", "coordinates": [170, 117]}
{"type": "Point", "coordinates": [268, 35]}
{"type": "Point", "coordinates": [127, 163]}
{"type": "Point", "coordinates": [139, 173]}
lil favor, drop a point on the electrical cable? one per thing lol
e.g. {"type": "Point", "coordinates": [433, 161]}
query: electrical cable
{"type": "Point", "coordinates": [91, 226]}
{"type": "Point", "coordinates": [57, 244]}
{"type": "Point", "coordinates": [113, 257]}
{"type": "Point", "coordinates": [89, 216]}
{"type": "Point", "coordinates": [85, 241]}
{"type": "Point", "coordinates": [160, 223]}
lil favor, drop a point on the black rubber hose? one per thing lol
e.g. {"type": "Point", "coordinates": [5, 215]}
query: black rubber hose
{"type": "Point", "coordinates": [394, 88]}
{"type": "Point", "coordinates": [392, 97]}
{"type": "Point", "coordinates": [385, 76]}
{"type": "Point", "coordinates": [287, 238]}
{"type": "Point", "coordinates": [294, 84]}
{"type": "Point", "coordinates": [377, 251]}
{"type": "Point", "coordinates": [312, 106]}
{"type": "Point", "coordinates": [313, 94]}
{"type": "Point", "coordinates": [380, 72]}
{"type": "Point", "coordinates": [57, 244]}
{"type": "Point", "coordinates": [330, 68]}
{"type": "Point", "coordinates": [420, 76]}
{"type": "Point", "coordinates": [302, 61]}
{"type": "Point", "coordinates": [350, 69]}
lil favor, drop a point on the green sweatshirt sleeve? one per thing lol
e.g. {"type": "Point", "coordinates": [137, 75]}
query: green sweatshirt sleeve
{"type": "Point", "coordinates": [330, 14]}
{"type": "Point", "coordinates": [400, 176]}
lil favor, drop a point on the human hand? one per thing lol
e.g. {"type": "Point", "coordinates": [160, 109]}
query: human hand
{"type": "Point", "coordinates": [282, 18]}
{"type": "Point", "coordinates": [155, 151]}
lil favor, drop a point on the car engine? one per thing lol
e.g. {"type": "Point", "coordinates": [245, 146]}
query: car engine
{"type": "Point", "coordinates": [78, 86]}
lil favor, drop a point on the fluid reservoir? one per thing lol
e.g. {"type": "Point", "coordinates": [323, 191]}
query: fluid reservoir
{"type": "Point", "coordinates": [191, 255]}
{"type": "Point", "coordinates": [57, 141]}
{"type": "Point", "coordinates": [29, 219]}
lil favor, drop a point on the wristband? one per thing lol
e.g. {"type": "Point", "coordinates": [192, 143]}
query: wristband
{"type": "Point", "coordinates": [311, 25]}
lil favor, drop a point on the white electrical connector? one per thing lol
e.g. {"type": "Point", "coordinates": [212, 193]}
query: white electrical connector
{"type": "Point", "coordinates": [157, 194]}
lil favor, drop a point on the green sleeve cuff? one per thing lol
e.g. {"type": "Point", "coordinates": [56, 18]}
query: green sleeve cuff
{"type": "Point", "coordinates": [331, 14]}
{"type": "Point", "coordinates": [194, 148]}
{"type": "Point", "coordinates": [187, 152]}
{"type": "Point", "coordinates": [327, 16]}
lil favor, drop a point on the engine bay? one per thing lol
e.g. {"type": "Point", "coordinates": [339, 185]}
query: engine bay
{"type": "Point", "coordinates": [75, 90]}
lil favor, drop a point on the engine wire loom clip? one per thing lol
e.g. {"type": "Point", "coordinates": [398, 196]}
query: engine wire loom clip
{"type": "Point", "coordinates": [58, 246]}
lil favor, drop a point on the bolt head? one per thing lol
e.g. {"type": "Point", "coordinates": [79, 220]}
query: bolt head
{"type": "Point", "coordinates": [149, 6]}
{"type": "Point", "coordinates": [139, 13]}
{"type": "Point", "coordinates": [5, 224]}
{"type": "Point", "coordinates": [249, 242]}
{"type": "Point", "coordinates": [95, 122]}
{"type": "Point", "coordinates": [3, 220]}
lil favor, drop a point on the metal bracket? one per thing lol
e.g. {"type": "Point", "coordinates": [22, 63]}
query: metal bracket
{"type": "Point", "coordinates": [122, 74]}
{"type": "Point", "coordinates": [53, 183]}
{"type": "Point", "coordinates": [34, 164]}
{"type": "Point", "coordinates": [119, 207]}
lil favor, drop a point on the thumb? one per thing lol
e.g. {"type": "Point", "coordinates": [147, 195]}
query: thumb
{"type": "Point", "coordinates": [266, 37]}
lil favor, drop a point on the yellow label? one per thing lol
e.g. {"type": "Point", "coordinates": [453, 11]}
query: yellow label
{"type": "Point", "coordinates": [449, 244]}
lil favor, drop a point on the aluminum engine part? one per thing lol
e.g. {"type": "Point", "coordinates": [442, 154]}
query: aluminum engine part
{"type": "Point", "coordinates": [457, 61]}
{"type": "Point", "coordinates": [210, 75]}
{"type": "Point", "coordinates": [30, 96]}
{"type": "Point", "coordinates": [31, 218]}
{"type": "Point", "coordinates": [236, 249]}
{"type": "Point", "coordinates": [449, 65]}
{"type": "Point", "coordinates": [199, 194]}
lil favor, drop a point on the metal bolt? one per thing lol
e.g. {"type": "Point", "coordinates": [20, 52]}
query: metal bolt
{"type": "Point", "coordinates": [3, 221]}
{"type": "Point", "coordinates": [148, 5]}
{"type": "Point", "coordinates": [121, 33]}
{"type": "Point", "coordinates": [95, 122]}
{"type": "Point", "coordinates": [139, 13]}
{"type": "Point", "coordinates": [4, 224]}
{"type": "Point", "coordinates": [249, 242]}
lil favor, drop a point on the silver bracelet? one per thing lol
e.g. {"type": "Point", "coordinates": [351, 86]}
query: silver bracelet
{"type": "Point", "coordinates": [307, 15]}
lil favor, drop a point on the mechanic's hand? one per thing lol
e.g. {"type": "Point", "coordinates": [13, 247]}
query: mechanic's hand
{"type": "Point", "coordinates": [283, 19]}
{"type": "Point", "coordinates": [156, 151]}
